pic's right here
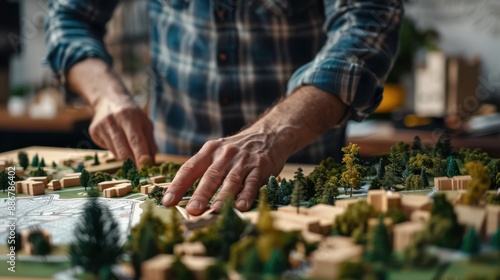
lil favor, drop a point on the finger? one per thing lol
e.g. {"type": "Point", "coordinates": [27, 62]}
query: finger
{"type": "Point", "coordinates": [231, 186]}
{"type": "Point", "coordinates": [96, 134]}
{"type": "Point", "coordinates": [250, 190]}
{"type": "Point", "coordinates": [136, 139]}
{"type": "Point", "coordinates": [118, 140]}
{"type": "Point", "coordinates": [209, 184]}
{"type": "Point", "coordinates": [189, 172]}
{"type": "Point", "coordinates": [212, 179]}
{"type": "Point", "coordinates": [148, 132]}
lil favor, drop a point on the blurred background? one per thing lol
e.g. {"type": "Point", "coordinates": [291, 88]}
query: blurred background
{"type": "Point", "coordinates": [446, 77]}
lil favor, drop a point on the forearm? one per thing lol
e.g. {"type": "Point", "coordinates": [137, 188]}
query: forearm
{"type": "Point", "coordinates": [93, 79]}
{"type": "Point", "coordinates": [301, 118]}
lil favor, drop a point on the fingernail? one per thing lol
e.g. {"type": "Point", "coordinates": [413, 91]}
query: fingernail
{"type": "Point", "coordinates": [168, 198]}
{"type": "Point", "coordinates": [217, 205]}
{"type": "Point", "coordinates": [241, 204]}
{"type": "Point", "coordinates": [194, 205]}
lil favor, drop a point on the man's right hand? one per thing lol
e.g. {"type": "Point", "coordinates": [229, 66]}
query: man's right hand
{"type": "Point", "coordinates": [119, 125]}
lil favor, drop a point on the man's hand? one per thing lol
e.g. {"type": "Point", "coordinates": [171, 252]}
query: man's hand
{"type": "Point", "coordinates": [118, 124]}
{"type": "Point", "coordinates": [241, 164]}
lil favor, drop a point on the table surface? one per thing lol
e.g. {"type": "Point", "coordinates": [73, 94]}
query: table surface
{"type": "Point", "coordinates": [57, 154]}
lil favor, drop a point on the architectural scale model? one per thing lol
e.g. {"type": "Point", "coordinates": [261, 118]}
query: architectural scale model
{"type": "Point", "coordinates": [417, 212]}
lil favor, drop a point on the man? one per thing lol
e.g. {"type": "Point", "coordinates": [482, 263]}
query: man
{"type": "Point", "coordinates": [219, 66]}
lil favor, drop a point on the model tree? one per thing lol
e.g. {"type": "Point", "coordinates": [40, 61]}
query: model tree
{"type": "Point", "coordinates": [276, 264]}
{"type": "Point", "coordinates": [144, 242]}
{"type": "Point", "coordinates": [96, 178]}
{"type": "Point", "coordinates": [297, 195]}
{"type": "Point", "coordinates": [230, 227]}
{"type": "Point", "coordinates": [40, 244]}
{"type": "Point", "coordinates": [354, 171]}
{"type": "Point", "coordinates": [54, 164]}
{"type": "Point", "coordinates": [127, 165]}
{"type": "Point", "coordinates": [84, 178]}
{"type": "Point", "coordinates": [97, 239]}
{"type": "Point", "coordinates": [420, 161]}
{"type": "Point", "coordinates": [471, 244]}
{"type": "Point", "coordinates": [443, 147]}
{"type": "Point", "coordinates": [479, 185]}
{"type": "Point", "coordinates": [79, 167]}
{"type": "Point", "coordinates": [476, 155]}
{"type": "Point", "coordinates": [135, 178]}
{"type": "Point", "coordinates": [406, 173]}
{"type": "Point", "coordinates": [23, 160]}
{"type": "Point", "coordinates": [252, 266]}
{"type": "Point", "coordinates": [423, 174]}
{"type": "Point", "coordinates": [39, 172]}
{"type": "Point", "coordinates": [452, 167]}
{"type": "Point", "coordinates": [329, 194]}
{"type": "Point", "coordinates": [380, 244]}
{"type": "Point", "coordinates": [284, 192]}
{"type": "Point", "coordinates": [443, 229]}
{"type": "Point", "coordinates": [157, 194]}
{"type": "Point", "coordinates": [381, 169]}
{"type": "Point", "coordinates": [173, 233]}
{"type": "Point", "coordinates": [414, 182]}
{"type": "Point", "coordinates": [416, 254]}
{"type": "Point", "coordinates": [272, 192]}
{"type": "Point", "coordinates": [34, 161]}
{"type": "Point", "coordinates": [356, 216]}
{"type": "Point", "coordinates": [96, 160]}
{"type": "Point", "coordinates": [41, 163]}
{"type": "Point", "coordinates": [393, 169]}
{"type": "Point", "coordinates": [417, 147]}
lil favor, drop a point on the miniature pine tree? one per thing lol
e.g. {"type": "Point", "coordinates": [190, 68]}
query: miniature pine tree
{"type": "Point", "coordinates": [393, 169]}
{"type": "Point", "coordinates": [276, 264]}
{"type": "Point", "coordinates": [381, 245]}
{"type": "Point", "coordinates": [4, 181]}
{"type": "Point", "coordinates": [96, 160]}
{"type": "Point", "coordinates": [38, 172]}
{"type": "Point", "coordinates": [406, 173]}
{"type": "Point", "coordinates": [425, 179]}
{"type": "Point", "coordinates": [452, 167]}
{"type": "Point", "coordinates": [34, 161]}
{"type": "Point", "coordinates": [381, 169]}
{"type": "Point", "coordinates": [79, 167]}
{"type": "Point", "coordinates": [41, 246]}
{"type": "Point", "coordinates": [443, 229]}
{"type": "Point", "coordinates": [23, 159]}
{"type": "Point", "coordinates": [230, 227]}
{"type": "Point", "coordinates": [179, 271]}
{"type": "Point", "coordinates": [252, 266]}
{"type": "Point", "coordinates": [272, 192]}
{"type": "Point", "coordinates": [328, 196]}
{"type": "Point", "coordinates": [97, 240]}
{"type": "Point", "coordinates": [417, 147]}
{"type": "Point", "coordinates": [480, 183]}
{"type": "Point", "coordinates": [84, 179]}
{"type": "Point", "coordinates": [471, 244]}
{"type": "Point", "coordinates": [41, 163]}
{"type": "Point", "coordinates": [443, 147]}
{"type": "Point", "coordinates": [134, 177]}
{"type": "Point", "coordinates": [54, 164]}
{"type": "Point", "coordinates": [375, 184]}
{"type": "Point", "coordinates": [495, 240]}
{"type": "Point", "coordinates": [127, 165]}
{"type": "Point", "coordinates": [297, 195]}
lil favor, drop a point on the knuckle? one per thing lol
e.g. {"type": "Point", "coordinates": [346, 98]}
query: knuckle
{"type": "Point", "coordinates": [213, 174]}
{"type": "Point", "coordinates": [187, 168]}
{"type": "Point", "coordinates": [234, 179]}
{"type": "Point", "coordinates": [211, 145]}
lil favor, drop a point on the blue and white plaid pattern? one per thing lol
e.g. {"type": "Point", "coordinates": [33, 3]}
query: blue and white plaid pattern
{"type": "Point", "coordinates": [219, 64]}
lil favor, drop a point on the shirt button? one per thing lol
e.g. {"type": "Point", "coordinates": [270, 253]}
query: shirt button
{"type": "Point", "coordinates": [222, 57]}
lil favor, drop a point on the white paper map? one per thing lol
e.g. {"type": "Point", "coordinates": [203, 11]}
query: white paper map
{"type": "Point", "coordinates": [60, 216]}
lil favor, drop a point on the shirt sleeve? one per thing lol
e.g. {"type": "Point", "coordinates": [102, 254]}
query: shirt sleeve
{"type": "Point", "coordinates": [74, 30]}
{"type": "Point", "coordinates": [362, 41]}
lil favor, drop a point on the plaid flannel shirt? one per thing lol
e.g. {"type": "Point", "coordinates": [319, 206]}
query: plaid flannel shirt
{"type": "Point", "coordinates": [219, 64]}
